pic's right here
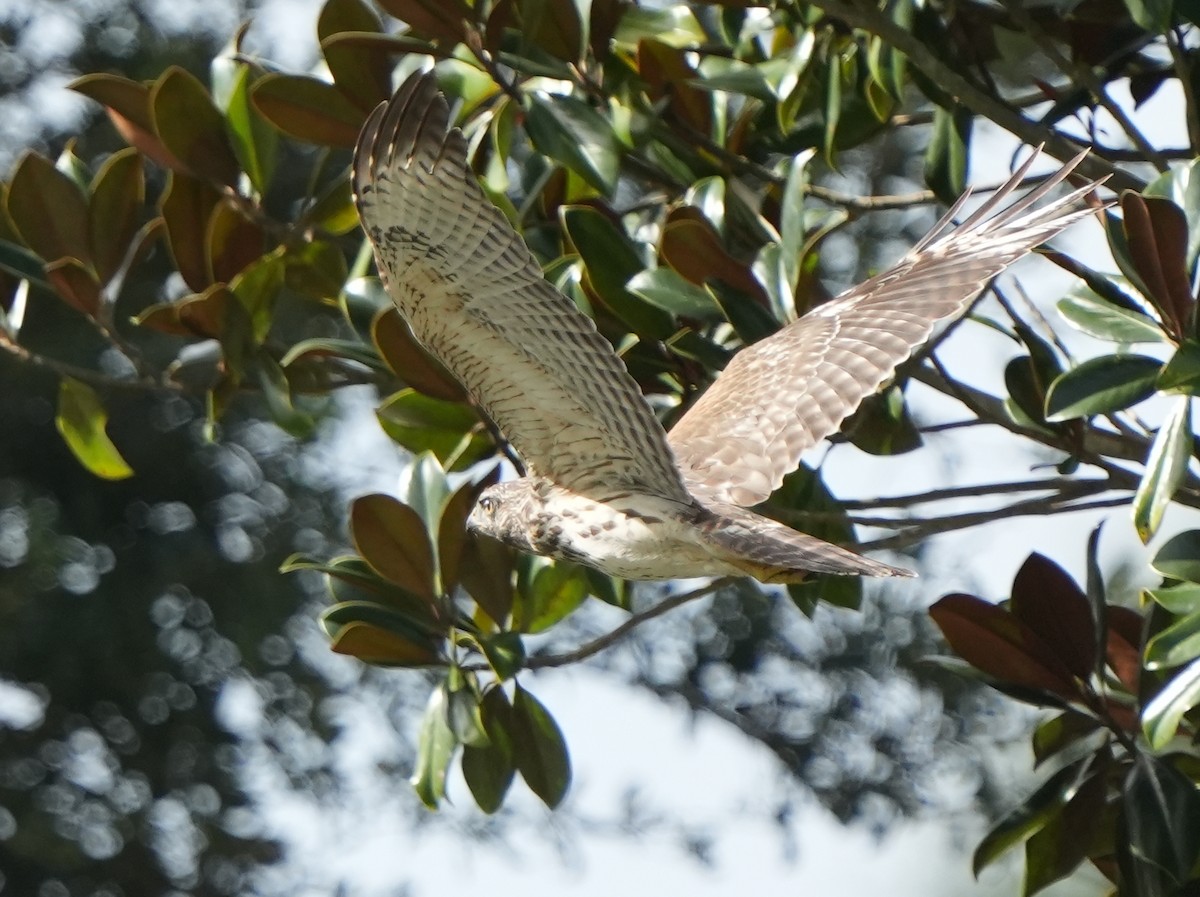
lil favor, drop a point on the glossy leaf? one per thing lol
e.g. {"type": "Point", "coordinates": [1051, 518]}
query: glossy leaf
{"type": "Point", "coordinates": [1166, 466]}
{"type": "Point", "coordinates": [1029, 817]}
{"type": "Point", "coordinates": [115, 209]}
{"type": "Point", "coordinates": [392, 538]}
{"type": "Point", "coordinates": [556, 591]}
{"type": "Point", "coordinates": [191, 127]}
{"type": "Point", "coordinates": [1047, 600]}
{"type": "Point", "coordinates": [1153, 15]}
{"type": "Point", "coordinates": [232, 242]}
{"type": "Point", "coordinates": [574, 134]}
{"type": "Point", "coordinates": [610, 260]}
{"type": "Point", "coordinates": [254, 142]}
{"type": "Point", "coordinates": [1102, 386]}
{"type": "Point", "coordinates": [1000, 645]}
{"type": "Point", "coordinates": [691, 245]}
{"type": "Point", "coordinates": [81, 421]}
{"type": "Point", "coordinates": [450, 430]}
{"type": "Point", "coordinates": [1181, 599]}
{"type": "Point", "coordinates": [21, 263]}
{"type": "Point", "coordinates": [486, 573]}
{"type": "Point", "coordinates": [379, 647]}
{"type": "Point", "coordinates": [1060, 733]}
{"type": "Point", "coordinates": [49, 210]}
{"type": "Point", "coordinates": [1057, 849]}
{"type": "Point", "coordinates": [351, 579]}
{"type": "Point", "coordinates": [307, 109]}
{"type": "Point", "coordinates": [435, 749]}
{"type": "Point", "coordinates": [539, 749]}
{"type": "Point", "coordinates": [665, 289]}
{"type": "Point", "coordinates": [1163, 713]}
{"type": "Point", "coordinates": [946, 157]}
{"type": "Point", "coordinates": [1182, 371]}
{"type": "Point", "coordinates": [1178, 644]}
{"type": "Point", "coordinates": [1179, 557]}
{"type": "Point", "coordinates": [76, 284]}
{"type": "Point", "coordinates": [1103, 320]}
{"type": "Point", "coordinates": [489, 770]}
{"type": "Point", "coordinates": [669, 77]}
{"type": "Point", "coordinates": [1161, 809]}
{"type": "Point", "coordinates": [1181, 185]}
{"type": "Point", "coordinates": [1156, 234]}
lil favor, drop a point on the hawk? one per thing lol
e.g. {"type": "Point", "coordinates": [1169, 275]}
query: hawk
{"type": "Point", "coordinates": [605, 485]}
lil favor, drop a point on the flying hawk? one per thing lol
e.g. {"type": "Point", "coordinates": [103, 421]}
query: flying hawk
{"type": "Point", "coordinates": [605, 485]}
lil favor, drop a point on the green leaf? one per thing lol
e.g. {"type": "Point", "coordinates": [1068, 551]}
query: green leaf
{"type": "Point", "coordinates": [1162, 714]}
{"type": "Point", "coordinates": [186, 207]}
{"type": "Point", "coordinates": [378, 635]}
{"type": "Point", "coordinates": [435, 748]}
{"type": "Point", "coordinates": [1028, 817]}
{"type": "Point", "coordinates": [665, 289]}
{"type": "Point", "coordinates": [539, 749]}
{"type": "Point", "coordinates": [1182, 371]}
{"type": "Point", "coordinates": [792, 232]}
{"type": "Point", "coordinates": [277, 393]}
{"type": "Point", "coordinates": [946, 157]}
{"type": "Point", "coordinates": [1179, 558]}
{"type": "Point", "coordinates": [574, 134]}
{"type": "Point", "coordinates": [489, 769]}
{"type": "Point", "coordinates": [1098, 317]}
{"type": "Point", "coordinates": [610, 261]}
{"type": "Point", "coordinates": [674, 25]}
{"type": "Point", "coordinates": [505, 652]}
{"type": "Point", "coordinates": [1057, 849]}
{"type": "Point", "coordinates": [1176, 645]}
{"type": "Point", "coordinates": [363, 77]}
{"type": "Point", "coordinates": [1101, 386]}
{"type": "Point", "coordinates": [81, 421]}
{"type": "Point", "coordinates": [1181, 599]}
{"type": "Point", "coordinates": [1166, 466]}
{"type": "Point", "coordinates": [450, 430]}
{"type": "Point", "coordinates": [22, 264]}
{"type": "Point", "coordinates": [254, 142]}
{"type": "Point", "coordinates": [557, 589]}
{"type": "Point", "coordinates": [1153, 15]}
{"type": "Point", "coordinates": [1161, 809]}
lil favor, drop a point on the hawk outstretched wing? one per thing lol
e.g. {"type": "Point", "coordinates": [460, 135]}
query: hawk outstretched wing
{"type": "Point", "coordinates": [780, 396]}
{"type": "Point", "coordinates": [475, 297]}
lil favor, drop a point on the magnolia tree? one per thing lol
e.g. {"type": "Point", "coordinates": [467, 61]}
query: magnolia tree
{"type": "Point", "coordinates": [664, 163]}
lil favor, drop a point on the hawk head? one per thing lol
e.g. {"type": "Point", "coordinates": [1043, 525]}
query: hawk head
{"type": "Point", "coordinates": [502, 512]}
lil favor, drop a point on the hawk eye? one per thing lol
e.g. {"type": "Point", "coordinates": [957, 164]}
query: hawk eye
{"type": "Point", "coordinates": [488, 504]}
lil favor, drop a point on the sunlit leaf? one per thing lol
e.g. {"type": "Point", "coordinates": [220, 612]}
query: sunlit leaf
{"type": "Point", "coordinates": [489, 770]}
{"type": "Point", "coordinates": [379, 647]}
{"type": "Point", "coordinates": [435, 749]}
{"type": "Point", "coordinates": [1166, 466]}
{"type": "Point", "coordinates": [1177, 644]}
{"type": "Point", "coordinates": [946, 157]}
{"type": "Point", "coordinates": [574, 134]}
{"type": "Point", "coordinates": [665, 289]}
{"type": "Point", "coordinates": [81, 421]}
{"type": "Point", "coordinates": [254, 142]}
{"type": "Point", "coordinates": [1102, 385]}
{"type": "Point", "coordinates": [49, 210]}
{"type": "Point", "coordinates": [1103, 320]}
{"type": "Point", "coordinates": [363, 77]}
{"type": "Point", "coordinates": [114, 211]}
{"type": "Point", "coordinates": [186, 206]}
{"type": "Point", "coordinates": [1163, 713]}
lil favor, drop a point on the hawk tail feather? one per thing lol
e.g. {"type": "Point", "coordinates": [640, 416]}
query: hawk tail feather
{"type": "Point", "coordinates": [774, 553]}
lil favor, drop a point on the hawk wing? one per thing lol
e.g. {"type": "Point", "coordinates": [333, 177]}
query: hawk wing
{"type": "Point", "coordinates": [783, 394]}
{"type": "Point", "coordinates": [475, 297]}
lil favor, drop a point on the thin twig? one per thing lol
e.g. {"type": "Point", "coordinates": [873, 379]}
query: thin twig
{"type": "Point", "coordinates": [1083, 75]}
{"type": "Point", "coordinates": [596, 645]}
{"type": "Point", "coordinates": [87, 375]}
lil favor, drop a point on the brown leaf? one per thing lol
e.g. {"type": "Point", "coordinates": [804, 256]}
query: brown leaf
{"type": "Point", "coordinates": [1123, 647]}
{"type": "Point", "coordinates": [996, 642]}
{"type": "Point", "coordinates": [409, 359]}
{"type": "Point", "coordinates": [392, 538]}
{"type": "Point", "coordinates": [452, 528]}
{"type": "Point", "coordinates": [234, 242]}
{"type": "Point", "coordinates": [443, 20]}
{"type": "Point", "coordinates": [1156, 231]}
{"type": "Point", "coordinates": [194, 316]}
{"type": "Point", "coordinates": [667, 73]}
{"type": "Point", "coordinates": [308, 109]}
{"type": "Point", "coordinates": [186, 206]}
{"type": "Point", "coordinates": [372, 644]}
{"type": "Point", "coordinates": [693, 248]}
{"type": "Point", "coordinates": [1049, 602]}
{"type": "Point", "coordinates": [128, 106]}
{"type": "Point", "coordinates": [486, 571]}
{"type": "Point", "coordinates": [605, 17]}
{"type": "Point", "coordinates": [75, 283]}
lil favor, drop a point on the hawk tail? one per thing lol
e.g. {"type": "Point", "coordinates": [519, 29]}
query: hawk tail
{"type": "Point", "coordinates": [774, 553]}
